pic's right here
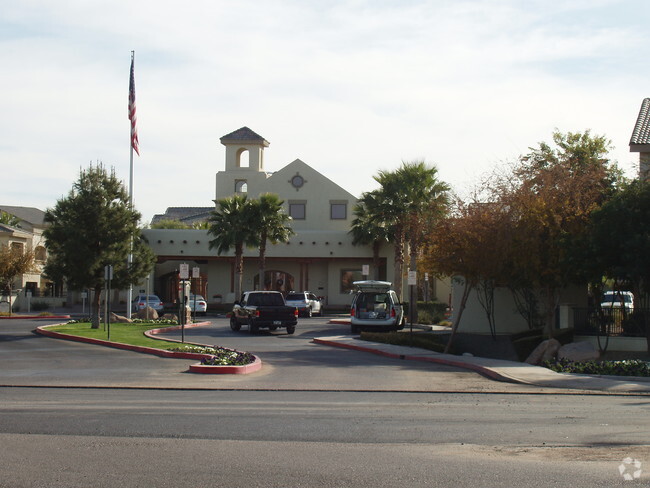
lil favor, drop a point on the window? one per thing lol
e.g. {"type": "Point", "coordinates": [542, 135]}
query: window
{"type": "Point", "coordinates": [241, 186]}
{"type": "Point", "coordinates": [18, 247]}
{"type": "Point", "coordinates": [348, 277]}
{"type": "Point", "coordinates": [297, 210]}
{"type": "Point", "coordinates": [40, 254]}
{"type": "Point", "coordinates": [243, 158]}
{"type": "Point", "coordinates": [338, 211]}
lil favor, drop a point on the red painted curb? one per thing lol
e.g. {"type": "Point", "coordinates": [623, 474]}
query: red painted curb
{"type": "Point", "coordinates": [195, 368]}
{"type": "Point", "coordinates": [207, 369]}
{"type": "Point", "coordinates": [30, 317]}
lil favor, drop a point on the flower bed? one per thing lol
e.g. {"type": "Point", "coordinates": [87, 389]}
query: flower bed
{"type": "Point", "coordinates": [214, 359]}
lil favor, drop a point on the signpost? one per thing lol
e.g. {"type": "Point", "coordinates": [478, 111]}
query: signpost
{"type": "Point", "coordinates": [412, 282]}
{"type": "Point", "coordinates": [184, 275]}
{"type": "Point", "coordinates": [108, 276]}
{"type": "Point", "coordinates": [196, 273]}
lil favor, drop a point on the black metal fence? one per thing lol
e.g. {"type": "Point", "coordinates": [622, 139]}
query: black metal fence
{"type": "Point", "coordinates": [611, 321]}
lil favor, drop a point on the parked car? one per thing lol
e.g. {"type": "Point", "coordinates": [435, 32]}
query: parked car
{"type": "Point", "coordinates": [141, 302]}
{"type": "Point", "coordinates": [617, 299]}
{"type": "Point", "coordinates": [197, 304]}
{"type": "Point", "coordinates": [263, 310]}
{"type": "Point", "coordinates": [375, 306]}
{"type": "Point", "coordinates": [306, 302]}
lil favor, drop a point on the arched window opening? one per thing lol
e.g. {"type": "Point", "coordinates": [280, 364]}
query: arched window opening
{"type": "Point", "coordinates": [243, 158]}
{"type": "Point", "coordinates": [241, 186]}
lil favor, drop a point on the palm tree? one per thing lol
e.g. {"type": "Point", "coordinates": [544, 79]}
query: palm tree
{"type": "Point", "coordinates": [410, 199]}
{"type": "Point", "coordinates": [271, 226]}
{"type": "Point", "coordinates": [368, 229]}
{"type": "Point", "coordinates": [233, 225]}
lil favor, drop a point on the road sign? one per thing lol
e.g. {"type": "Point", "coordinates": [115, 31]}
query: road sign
{"type": "Point", "coordinates": [196, 272]}
{"type": "Point", "coordinates": [413, 278]}
{"type": "Point", "coordinates": [184, 271]}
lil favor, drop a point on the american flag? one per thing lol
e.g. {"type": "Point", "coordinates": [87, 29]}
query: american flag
{"type": "Point", "coordinates": [132, 117]}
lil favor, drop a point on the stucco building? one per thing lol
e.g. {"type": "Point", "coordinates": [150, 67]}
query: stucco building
{"type": "Point", "coordinates": [320, 257]}
{"type": "Point", "coordinates": [27, 235]}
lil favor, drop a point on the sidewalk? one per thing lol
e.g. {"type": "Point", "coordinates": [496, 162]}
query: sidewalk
{"type": "Point", "coordinates": [497, 369]}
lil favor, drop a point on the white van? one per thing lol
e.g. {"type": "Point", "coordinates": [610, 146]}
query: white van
{"type": "Point", "coordinates": [375, 306]}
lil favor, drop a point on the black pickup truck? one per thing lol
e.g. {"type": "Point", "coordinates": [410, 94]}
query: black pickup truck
{"type": "Point", "coordinates": [263, 310]}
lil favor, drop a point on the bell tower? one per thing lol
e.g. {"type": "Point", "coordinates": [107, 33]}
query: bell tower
{"type": "Point", "coordinates": [244, 150]}
{"type": "Point", "coordinates": [244, 172]}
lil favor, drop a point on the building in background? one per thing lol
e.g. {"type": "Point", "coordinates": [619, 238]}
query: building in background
{"type": "Point", "coordinates": [319, 258]}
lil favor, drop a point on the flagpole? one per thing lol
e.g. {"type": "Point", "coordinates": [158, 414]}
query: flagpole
{"type": "Point", "coordinates": [129, 295]}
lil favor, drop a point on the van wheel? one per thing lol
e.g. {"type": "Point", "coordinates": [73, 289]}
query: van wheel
{"type": "Point", "coordinates": [309, 313]}
{"type": "Point", "coordinates": [234, 325]}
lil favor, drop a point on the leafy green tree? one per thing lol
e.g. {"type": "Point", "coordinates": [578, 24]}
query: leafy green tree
{"type": "Point", "coordinates": [272, 226]}
{"type": "Point", "coordinates": [170, 224]}
{"type": "Point", "coordinates": [618, 239]}
{"type": "Point", "coordinates": [201, 225]}
{"type": "Point", "coordinates": [91, 228]}
{"type": "Point", "coordinates": [233, 226]}
{"type": "Point", "coordinates": [554, 192]}
{"type": "Point", "coordinates": [8, 219]}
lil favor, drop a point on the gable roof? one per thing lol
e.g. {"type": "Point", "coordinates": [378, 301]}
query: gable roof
{"type": "Point", "coordinates": [243, 135]}
{"type": "Point", "coordinates": [641, 133]}
{"type": "Point", "coordinates": [15, 231]}
{"type": "Point", "coordinates": [184, 214]}
{"type": "Point", "coordinates": [30, 215]}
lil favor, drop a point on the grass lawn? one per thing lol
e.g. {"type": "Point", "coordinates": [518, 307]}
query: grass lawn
{"type": "Point", "coordinates": [132, 334]}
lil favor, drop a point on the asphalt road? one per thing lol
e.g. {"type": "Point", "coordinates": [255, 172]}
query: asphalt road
{"type": "Point", "coordinates": [313, 417]}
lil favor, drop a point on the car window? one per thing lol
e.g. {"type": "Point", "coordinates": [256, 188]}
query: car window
{"type": "Point", "coordinates": [295, 296]}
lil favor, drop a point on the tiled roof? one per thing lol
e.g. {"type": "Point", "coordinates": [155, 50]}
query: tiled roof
{"type": "Point", "coordinates": [243, 134]}
{"type": "Point", "coordinates": [184, 214]}
{"type": "Point", "coordinates": [31, 215]}
{"type": "Point", "coordinates": [641, 134]}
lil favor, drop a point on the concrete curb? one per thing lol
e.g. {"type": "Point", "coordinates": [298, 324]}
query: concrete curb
{"type": "Point", "coordinates": [501, 370]}
{"type": "Point", "coordinates": [195, 368]}
{"type": "Point", "coordinates": [448, 362]}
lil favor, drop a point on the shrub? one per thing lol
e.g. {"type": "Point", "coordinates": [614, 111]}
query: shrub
{"type": "Point", "coordinates": [219, 355]}
{"type": "Point", "coordinates": [428, 312]}
{"type": "Point", "coordinates": [630, 367]}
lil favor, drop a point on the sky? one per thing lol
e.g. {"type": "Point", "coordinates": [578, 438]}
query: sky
{"type": "Point", "coordinates": [350, 87]}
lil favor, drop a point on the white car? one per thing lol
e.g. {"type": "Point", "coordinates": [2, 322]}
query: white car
{"type": "Point", "coordinates": [198, 304]}
{"type": "Point", "coordinates": [306, 302]}
{"type": "Point", "coordinates": [141, 302]}
{"type": "Point", "coordinates": [618, 299]}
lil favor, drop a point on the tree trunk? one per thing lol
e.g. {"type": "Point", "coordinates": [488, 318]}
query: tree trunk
{"type": "Point", "coordinates": [399, 262]}
{"type": "Point", "coordinates": [94, 311]}
{"type": "Point", "coordinates": [262, 264]}
{"type": "Point", "coordinates": [463, 301]}
{"type": "Point", "coordinates": [375, 258]}
{"type": "Point", "coordinates": [239, 270]}
{"type": "Point", "coordinates": [413, 297]}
